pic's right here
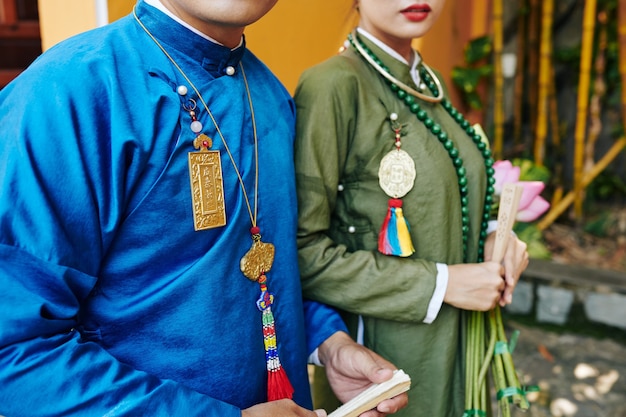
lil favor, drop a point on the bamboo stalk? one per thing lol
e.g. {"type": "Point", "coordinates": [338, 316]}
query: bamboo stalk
{"type": "Point", "coordinates": [518, 92]}
{"type": "Point", "coordinates": [498, 99]}
{"type": "Point", "coordinates": [533, 51]}
{"type": "Point", "coordinates": [558, 151]}
{"type": "Point", "coordinates": [621, 30]}
{"type": "Point", "coordinates": [545, 71]}
{"type": "Point", "coordinates": [555, 129]}
{"type": "Point", "coordinates": [583, 102]}
{"type": "Point", "coordinates": [557, 209]}
{"type": "Point", "coordinates": [599, 89]}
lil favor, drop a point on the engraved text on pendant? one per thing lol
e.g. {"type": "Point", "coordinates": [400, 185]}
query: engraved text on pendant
{"type": "Point", "coordinates": [258, 260]}
{"type": "Point", "coordinates": [207, 189]}
{"type": "Point", "coordinates": [396, 174]}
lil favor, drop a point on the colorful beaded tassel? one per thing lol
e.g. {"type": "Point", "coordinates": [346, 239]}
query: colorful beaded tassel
{"type": "Point", "coordinates": [278, 385]}
{"type": "Point", "coordinates": [394, 237]}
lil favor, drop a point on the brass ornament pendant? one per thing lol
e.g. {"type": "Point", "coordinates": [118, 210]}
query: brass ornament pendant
{"type": "Point", "coordinates": [258, 260]}
{"type": "Point", "coordinates": [205, 174]}
{"type": "Point", "coordinates": [396, 174]}
{"type": "Point", "coordinates": [207, 187]}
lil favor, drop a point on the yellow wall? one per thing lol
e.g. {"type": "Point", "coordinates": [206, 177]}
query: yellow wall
{"type": "Point", "coordinates": [293, 36]}
{"type": "Point", "coordinates": [119, 8]}
{"type": "Point", "coordinates": [60, 19]}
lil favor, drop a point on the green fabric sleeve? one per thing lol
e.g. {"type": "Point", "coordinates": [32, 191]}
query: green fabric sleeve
{"type": "Point", "coordinates": [338, 267]}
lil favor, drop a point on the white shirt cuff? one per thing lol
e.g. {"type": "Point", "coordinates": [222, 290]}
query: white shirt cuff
{"type": "Point", "coordinates": [314, 358]}
{"type": "Point", "coordinates": [441, 285]}
{"type": "Point", "coordinates": [492, 226]}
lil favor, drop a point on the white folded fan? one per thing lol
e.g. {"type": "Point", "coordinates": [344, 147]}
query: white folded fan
{"type": "Point", "coordinates": [371, 397]}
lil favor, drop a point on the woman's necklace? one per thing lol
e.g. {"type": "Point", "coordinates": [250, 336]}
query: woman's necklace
{"type": "Point", "coordinates": [407, 96]}
{"type": "Point", "coordinates": [378, 66]}
{"type": "Point", "coordinates": [206, 183]}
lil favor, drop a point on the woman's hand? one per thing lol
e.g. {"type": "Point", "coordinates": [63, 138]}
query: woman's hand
{"type": "Point", "coordinates": [515, 262]}
{"type": "Point", "coordinates": [476, 287]}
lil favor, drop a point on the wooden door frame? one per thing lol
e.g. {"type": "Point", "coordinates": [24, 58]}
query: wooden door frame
{"type": "Point", "coordinates": [13, 28]}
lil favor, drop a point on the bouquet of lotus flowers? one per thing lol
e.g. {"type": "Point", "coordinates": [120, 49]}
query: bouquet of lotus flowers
{"type": "Point", "coordinates": [487, 343]}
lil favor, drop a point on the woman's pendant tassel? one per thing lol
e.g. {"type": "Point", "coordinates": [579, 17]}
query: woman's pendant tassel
{"type": "Point", "coordinates": [394, 237]}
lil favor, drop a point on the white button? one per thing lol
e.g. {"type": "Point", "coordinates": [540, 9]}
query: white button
{"type": "Point", "coordinates": [351, 229]}
{"type": "Point", "coordinates": [182, 90]}
{"type": "Point", "coordinates": [230, 70]}
{"type": "Point", "coordinates": [340, 187]}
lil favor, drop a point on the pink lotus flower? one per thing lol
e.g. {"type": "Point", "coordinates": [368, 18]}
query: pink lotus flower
{"type": "Point", "coordinates": [531, 205]}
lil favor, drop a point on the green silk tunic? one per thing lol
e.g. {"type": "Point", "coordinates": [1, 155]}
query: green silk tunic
{"type": "Point", "coordinates": [343, 131]}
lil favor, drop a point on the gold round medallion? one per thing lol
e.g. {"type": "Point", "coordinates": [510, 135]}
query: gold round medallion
{"type": "Point", "coordinates": [396, 174]}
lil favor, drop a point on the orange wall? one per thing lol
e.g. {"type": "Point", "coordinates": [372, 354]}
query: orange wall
{"type": "Point", "coordinates": [295, 34]}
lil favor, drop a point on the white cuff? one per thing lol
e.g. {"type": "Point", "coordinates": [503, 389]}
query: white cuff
{"type": "Point", "coordinates": [436, 301]}
{"type": "Point", "coordinates": [492, 226]}
{"type": "Point", "coordinates": [314, 358]}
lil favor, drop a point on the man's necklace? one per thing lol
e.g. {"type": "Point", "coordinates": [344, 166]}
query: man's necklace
{"type": "Point", "coordinates": [209, 212]}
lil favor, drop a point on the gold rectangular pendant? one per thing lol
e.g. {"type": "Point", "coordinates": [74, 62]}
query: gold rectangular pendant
{"type": "Point", "coordinates": [207, 189]}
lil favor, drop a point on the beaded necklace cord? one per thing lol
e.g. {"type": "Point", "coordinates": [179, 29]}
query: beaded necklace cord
{"type": "Point", "coordinates": [257, 262]}
{"type": "Point", "coordinates": [407, 97]}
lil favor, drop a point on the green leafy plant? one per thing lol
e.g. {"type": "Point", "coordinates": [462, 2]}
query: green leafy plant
{"type": "Point", "coordinates": [467, 78]}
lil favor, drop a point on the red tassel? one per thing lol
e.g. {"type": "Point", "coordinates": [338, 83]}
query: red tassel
{"type": "Point", "coordinates": [278, 385]}
{"type": "Point", "coordinates": [383, 242]}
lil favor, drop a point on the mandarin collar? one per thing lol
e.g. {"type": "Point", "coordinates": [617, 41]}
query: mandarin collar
{"type": "Point", "coordinates": [213, 57]}
{"type": "Point", "coordinates": [392, 59]}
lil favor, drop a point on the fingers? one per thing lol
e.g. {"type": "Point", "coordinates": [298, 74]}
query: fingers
{"type": "Point", "coordinates": [515, 262]}
{"type": "Point", "coordinates": [394, 404]}
{"type": "Point", "coordinates": [476, 287]}
{"type": "Point", "coordinates": [320, 413]}
{"type": "Point", "coordinates": [378, 375]}
{"type": "Point", "coordinates": [390, 406]}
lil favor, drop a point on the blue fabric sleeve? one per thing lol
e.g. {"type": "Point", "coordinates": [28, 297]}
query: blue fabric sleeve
{"type": "Point", "coordinates": [52, 235]}
{"type": "Point", "coordinates": [322, 322]}
{"type": "Point", "coordinates": [47, 370]}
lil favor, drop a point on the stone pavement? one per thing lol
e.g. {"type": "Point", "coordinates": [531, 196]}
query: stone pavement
{"type": "Point", "coordinates": [573, 340]}
{"type": "Point", "coordinates": [578, 375]}
{"type": "Point", "coordinates": [552, 291]}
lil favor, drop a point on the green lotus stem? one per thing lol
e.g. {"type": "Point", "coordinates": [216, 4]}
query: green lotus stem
{"type": "Point", "coordinates": [498, 372]}
{"type": "Point", "coordinates": [470, 360]}
{"type": "Point", "coordinates": [499, 378]}
{"type": "Point", "coordinates": [480, 339]}
{"type": "Point", "coordinates": [509, 367]}
{"type": "Point", "coordinates": [489, 352]}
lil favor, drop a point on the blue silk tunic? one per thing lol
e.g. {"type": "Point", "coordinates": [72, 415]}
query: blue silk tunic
{"type": "Point", "coordinates": [111, 304]}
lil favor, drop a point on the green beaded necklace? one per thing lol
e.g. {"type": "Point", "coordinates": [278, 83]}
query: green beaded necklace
{"type": "Point", "coordinates": [436, 129]}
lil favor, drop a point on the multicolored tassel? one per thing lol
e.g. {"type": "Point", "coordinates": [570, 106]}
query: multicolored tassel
{"type": "Point", "coordinates": [278, 384]}
{"type": "Point", "coordinates": [394, 237]}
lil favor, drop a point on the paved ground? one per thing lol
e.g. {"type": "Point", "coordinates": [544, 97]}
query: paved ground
{"type": "Point", "coordinates": [579, 376]}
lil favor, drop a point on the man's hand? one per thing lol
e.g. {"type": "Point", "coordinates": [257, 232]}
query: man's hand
{"type": "Point", "coordinates": [352, 368]}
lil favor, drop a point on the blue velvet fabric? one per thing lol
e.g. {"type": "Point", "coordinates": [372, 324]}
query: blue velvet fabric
{"type": "Point", "coordinates": [111, 304]}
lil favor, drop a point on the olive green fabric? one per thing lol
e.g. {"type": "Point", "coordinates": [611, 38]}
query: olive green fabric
{"type": "Point", "coordinates": [343, 131]}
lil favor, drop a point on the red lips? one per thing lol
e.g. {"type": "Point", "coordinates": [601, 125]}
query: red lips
{"type": "Point", "coordinates": [416, 12]}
